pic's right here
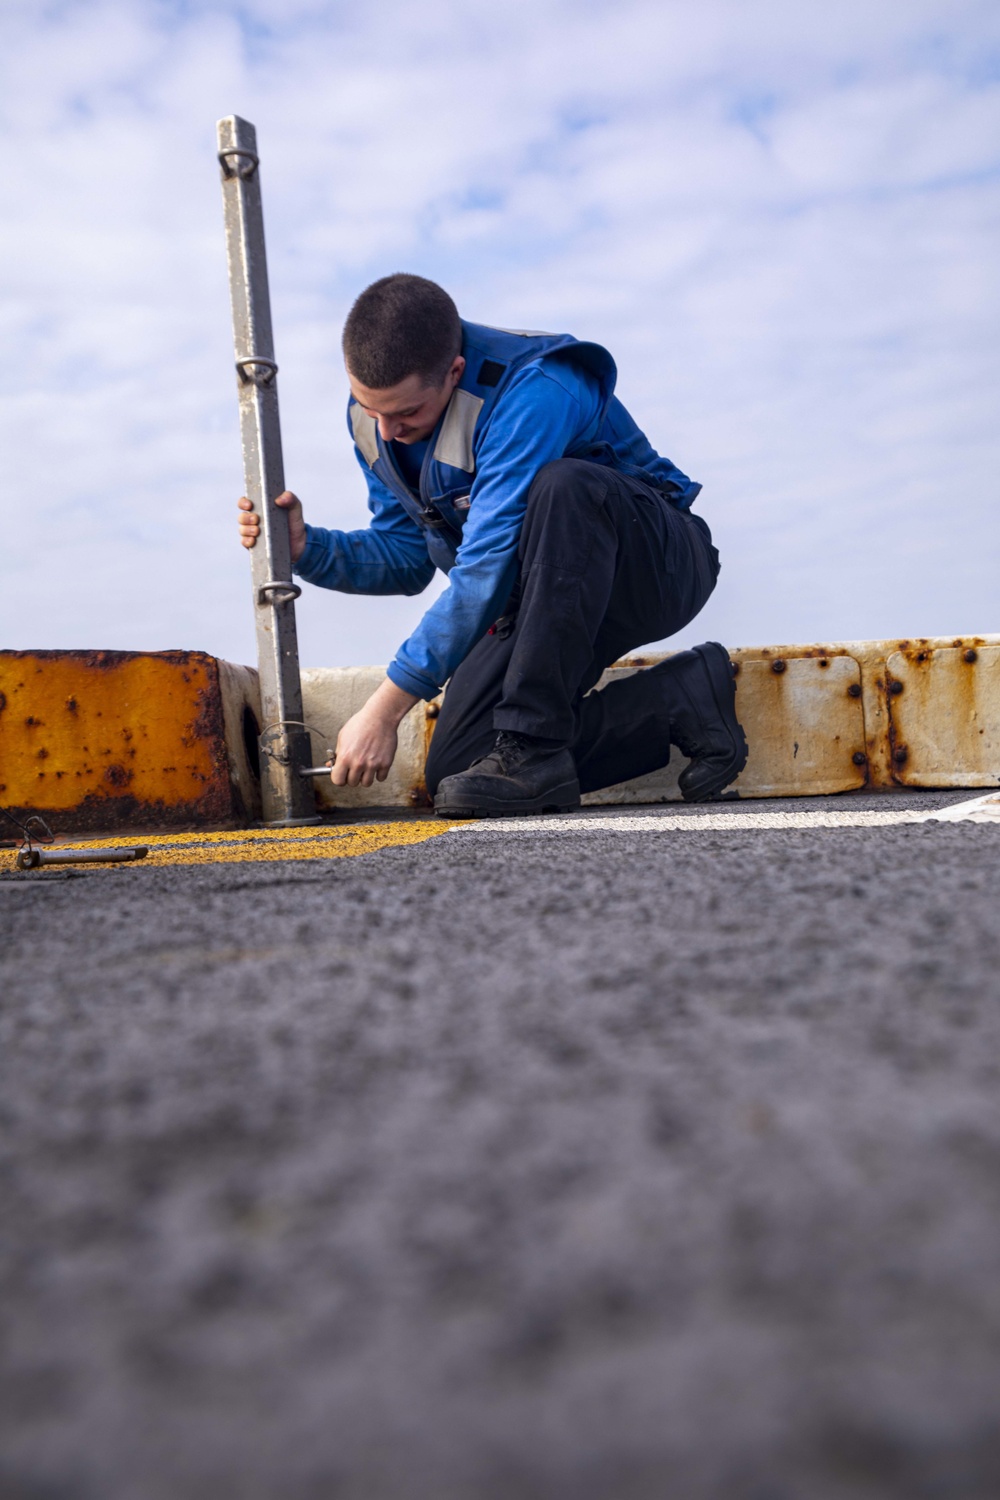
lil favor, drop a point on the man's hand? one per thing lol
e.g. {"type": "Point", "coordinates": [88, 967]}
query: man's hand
{"type": "Point", "coordinates": [366, 746]}
{"type": "Point", "coordinates": [250, 523]}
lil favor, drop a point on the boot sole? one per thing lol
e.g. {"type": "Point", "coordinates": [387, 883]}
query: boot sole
{"type": "Point", "coordinates": [720, 675]}
{"type": "Point", "coordinates": [560, 799]}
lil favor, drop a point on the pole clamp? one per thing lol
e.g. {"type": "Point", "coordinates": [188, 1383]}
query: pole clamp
{"type": "Point", "coordinates": [254, 369]}
{"type": "Point", "coordinates": [275, 743]}
{"type": "Point", "coordinates": [278, 591]}
{"type": "Point", "coordinates": [244, 167]}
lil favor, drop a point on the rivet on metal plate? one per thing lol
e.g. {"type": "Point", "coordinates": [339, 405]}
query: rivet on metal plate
{"type": "Point", "coordinates": [778, 666]}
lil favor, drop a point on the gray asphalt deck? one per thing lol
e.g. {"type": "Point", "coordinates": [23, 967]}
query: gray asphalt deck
{"type": "Point", "coordinates": [631, 1164]}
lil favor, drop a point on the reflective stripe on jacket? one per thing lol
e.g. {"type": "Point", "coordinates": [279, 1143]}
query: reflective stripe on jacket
{"type": "Point", "coordinates": [492, 358]}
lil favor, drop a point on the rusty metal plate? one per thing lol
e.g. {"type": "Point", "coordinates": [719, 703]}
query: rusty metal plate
{"type": "Point", "coordinates": [98, 740]}
{"type": "Point", "coordinates": [804, 721]}
{"type": "Point", "coordinates": [944, 715]}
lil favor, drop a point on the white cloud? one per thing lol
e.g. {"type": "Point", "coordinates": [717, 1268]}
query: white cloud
{"type": "Point", "coordinates": [781, 219]}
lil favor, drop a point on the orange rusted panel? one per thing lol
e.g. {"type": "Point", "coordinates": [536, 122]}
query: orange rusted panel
{"type": "Point", "coordinates": [98, 740]}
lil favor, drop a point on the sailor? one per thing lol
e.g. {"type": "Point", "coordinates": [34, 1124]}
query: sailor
{"type": "Point", "coordinates": [505, 459]}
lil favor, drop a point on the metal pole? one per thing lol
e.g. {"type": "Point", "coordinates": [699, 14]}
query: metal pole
{"type": "Point", "coordinates": [288, 798]}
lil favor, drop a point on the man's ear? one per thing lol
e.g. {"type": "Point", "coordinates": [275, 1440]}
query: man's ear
{"type": "Point", "coordinates": [457, 369]}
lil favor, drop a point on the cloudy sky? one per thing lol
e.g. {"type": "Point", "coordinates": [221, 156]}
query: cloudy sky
{"type": "Point", "coordinates": [781, 217]}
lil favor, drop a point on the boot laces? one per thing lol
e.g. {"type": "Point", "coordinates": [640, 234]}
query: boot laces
{"type": "Point", "coordinates": [509, 750]}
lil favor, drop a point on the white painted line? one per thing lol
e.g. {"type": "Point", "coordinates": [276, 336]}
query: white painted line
{"type": "Point", "coordinates": [690, 822]}
{"type": "Point", "coordinates": [975, 810]}
{"type": "Point", "coordinates": [978, 809]}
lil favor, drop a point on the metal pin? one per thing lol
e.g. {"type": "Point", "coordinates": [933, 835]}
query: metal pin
{"type": "Point", "coordinates": [31, 857]}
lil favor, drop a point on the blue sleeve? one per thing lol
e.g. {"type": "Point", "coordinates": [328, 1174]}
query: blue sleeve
{"type": "Point", "coordinates": [542, 414]}
{"type": "Point", "coordinates": [387, 557]}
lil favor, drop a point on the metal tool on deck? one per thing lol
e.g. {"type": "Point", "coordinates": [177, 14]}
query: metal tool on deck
{"type": "Point", "coordinates": [30, 857]}
{"type": "Point", "coordinates": [287, 798]}
{"type": "Point", "coordinates": [36, 833]}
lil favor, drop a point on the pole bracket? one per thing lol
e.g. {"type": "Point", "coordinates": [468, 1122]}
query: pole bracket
{"type": "Point", "coordinates": [229, 169]}
{"type": "Point", "coordinates": [278, 591]}
{"type": "Point", "coordinates": [254, 369]}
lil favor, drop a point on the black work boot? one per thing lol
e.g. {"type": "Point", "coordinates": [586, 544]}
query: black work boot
{"type": "Point", "coordinates": [518, 776]}
{"type": "Point", "coordinates": [701, 695]}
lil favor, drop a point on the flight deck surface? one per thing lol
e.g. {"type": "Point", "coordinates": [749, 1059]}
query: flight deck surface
{"type": "Point", "coordinates": [635, 1153]}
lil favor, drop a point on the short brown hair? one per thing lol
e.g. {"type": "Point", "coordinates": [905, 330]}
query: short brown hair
{"type": "Point", "coordinates": [402, 325]}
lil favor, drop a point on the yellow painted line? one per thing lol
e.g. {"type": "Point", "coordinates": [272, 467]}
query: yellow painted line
{"type": "Point", "coordinates": [259, 845]}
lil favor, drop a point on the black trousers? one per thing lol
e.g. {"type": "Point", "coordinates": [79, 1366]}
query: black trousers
{"type": "Point", "coordinates": [606, 564]}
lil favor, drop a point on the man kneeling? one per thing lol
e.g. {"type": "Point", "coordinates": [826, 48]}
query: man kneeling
{"type": "Point", "coordinates": [505, 460]}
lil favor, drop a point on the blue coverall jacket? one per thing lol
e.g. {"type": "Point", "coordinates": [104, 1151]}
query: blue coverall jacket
{"type": "Point", "coordinates": [524, 399]}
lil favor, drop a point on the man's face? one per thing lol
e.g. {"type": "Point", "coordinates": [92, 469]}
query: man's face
{"type": "Point", "coordinates": [407, 412]}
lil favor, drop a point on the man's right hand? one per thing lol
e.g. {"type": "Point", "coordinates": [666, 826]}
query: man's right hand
{"type": "Point", "coordinates": [250, 522]}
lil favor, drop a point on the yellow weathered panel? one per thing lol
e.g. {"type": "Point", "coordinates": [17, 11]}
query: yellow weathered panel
{"type": "Point", "coordinates": [944, 714]}
{"type": "Point", "coordinates": [804, 724]}
{"type": "Point", "coordinates": [330, 695]}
